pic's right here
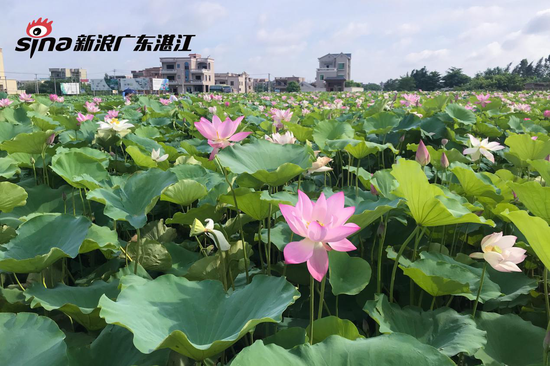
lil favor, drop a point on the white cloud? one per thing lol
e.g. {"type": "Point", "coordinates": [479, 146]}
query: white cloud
{"type": "Point", "coordinates": [351, 31]}
{"type": "Point", "coordinates": [427, 54]}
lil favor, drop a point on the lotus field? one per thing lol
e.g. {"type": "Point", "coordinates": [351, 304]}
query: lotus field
{"type": "Point", "coordinates": [275, 229]}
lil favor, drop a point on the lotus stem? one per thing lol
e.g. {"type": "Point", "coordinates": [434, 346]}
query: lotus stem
{"type": "Point", "coordinates": [479, 290]}
{"type": "Point", "coordinates": [311, 308]}
{"type": "Point", "coordinates": [321, 298]}
{"type": "Point", "coordinates": [401, 250]}
{"type": "Point", "coordinates": [238, 218]}
{"type": "Point", "coordinates": [547, 300]}
{"type": "Point", "coordinates": [136, 264]}
{"type": "Point", "coordinates": [268, 250]}
{"type": "Point", "coordinates": [380, 253]}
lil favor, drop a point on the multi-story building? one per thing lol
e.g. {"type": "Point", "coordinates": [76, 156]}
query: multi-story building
{"type": "Point", "coordinates": [8, 86]}
{"type": "Point", "coordinates": [74, 75]}
{"type": "Point", "coordinates": [334, 69]}
{"type": "Point", "coordinates": [239, 83]}
{"type": "Point", "coordinates": [150, 72]}
{"type": "Point", "coordinates": [193, 74]}
{"type": "Point", "coordinates": [260, 84]}
{"type": "Point", "coordinates": [282, 82]}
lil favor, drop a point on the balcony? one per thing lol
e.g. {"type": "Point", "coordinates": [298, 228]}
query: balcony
{"type": "Point", "coordinates": [200, 71]}
{"type": "Point", "coordinates": [327, 69]}
{"type": "Point", "coordinates": [168, 71]}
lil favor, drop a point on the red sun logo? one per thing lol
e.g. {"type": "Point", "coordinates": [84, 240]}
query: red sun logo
{"type": "Point", "coordinates": [39, 28]}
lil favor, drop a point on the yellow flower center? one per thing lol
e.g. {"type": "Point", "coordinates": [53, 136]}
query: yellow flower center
{"type": "Point", "coordinates": [493, 248]}
{"type": "Point", "coordinates": [115, 121]}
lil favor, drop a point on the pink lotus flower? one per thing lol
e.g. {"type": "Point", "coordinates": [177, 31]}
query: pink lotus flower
{"type": "Point", "coordinates": [91, 107]}
{"type": "Point", "coordinates": [212, 110]}
{"type": "Point", "coordinates": [279, 116]}
{"type": "Point", "coordinates": [482, 147]}
{"type": "Point", "coordinates": [410, 100]}
{"type": "Point", "coordinates": [97, 100]}
{"type": "Point", "coordinates": [422, 154]}
{"type": "Point", "coordinates": [319, 166]}
{"type": "Point", "coordinates": [24, 97]}
{"type": "Point", "coordinates": [322, 225]}
{"type": "Point", "coordinates": [81, 117]}
{"type": "Point", "coordinates": [547, 114]}
{"type": "Point", "coordinates": [220, 134]}
{"type": "Point", "coordinates": [112, 114]}
{"type": "Point", "coordinates": [523, 107]}
{"type": "Point", "coordinates": [53, 97]}
{"type": "Point", "coordinates": [164, 101]}
{"type": "Point", "coordinates": [5, 102]}
{"type": "Point", "coordinates": [483, 99]}
{"type": "Point", "coordinates": [500, 253]}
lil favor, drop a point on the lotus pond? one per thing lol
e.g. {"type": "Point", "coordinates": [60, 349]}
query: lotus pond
{"type": "Point", "coordinates": [275, 229]}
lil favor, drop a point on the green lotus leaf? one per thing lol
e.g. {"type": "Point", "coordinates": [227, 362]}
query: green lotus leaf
{"type": "Point", "coordinates": [197, 173]}
{"type": "Point", "coordinates": [42, 240]}
{"type": "Point", "coordinates": [348, 275]}
{"type": "Point", "coordinates": [182, 259]}
{"type": "Point", "coordinates": [80, 303]}
{"type": "Point", "coordinates": [43, 199]}
{"type": "Point", "coordinates": [427, 202]}
{"type": "Point", "coordinates": [381, 123]}
{"type": "Point", "coordinates": [113, 347]}
{"type": "Point", "coordinates": [9, 130]}
{"type": "Point", "coordinates": [250, 203]}
{"type": "Point", "coordinates": [525, 148]}
{"type": "Point", "coordinates": [267, 162]}
{"type": "Point", "coordinates": [211, 267]}
{"type": "Point", "coordinates": [95, 154]}
{"type": "Point", "coordinates": [543, 167]}
{"type": "Point", "coordinates": [475, 184]}
{"type": "Point", "coordinates": [11, 196]}
{"type": "Point", "coordinates": [301, 133]}
{"type": "Point", "coordinates": [365, 148]}
{"type": "Point", "coordinates": [331, 130]}
{"type": "Point", "coordinates": [200, 331]}
{"type": "Point", "coordinates": [102, 238]}
{"type": "Point", "coordinates": [515, 286]}
{"type": "Point", "coordinates": [535, 197]}
{"type": "Point", "coordinates": [138, 196]}
{"type": "Point", "coordinates": [8, 168]}
{"type": "Point", "coordinates": [200, 213]}
{"type": "Point", "coordinates": [184, 192]}
{"type": "Point", "coordinates": [287, 338]}
{"type": "Point", "coordinates": [281, 235]}
{"type": "Point", "coordinates": [332, 325]}
{"type": "Point", "coordinates": [510, 340]}
{"type": "Point", "coordinates": [149, 132]}
{"type": "Point", "coordinates": [30, 143]}
{"type": "Point", "coordinates": [141, 160]}
{"type": "Point", "coordinates": [153, 255]}
{"type": "Point", "coordinates": [369, 211]}
{"type": "Point", "coordinates": [29, 339]}
{"type": "Point", "coordinates": [393, 349]}
{"type": "Point", "coordinates": [443, 329]}
{"type": "Point", "coordinates": [76, 168]}
{"type": "Point", "coordinates": [143, 142]}
{"type": "Point", "coordinates": [460, 114]}
{"type": "Point", "coordinates": [535, 230]}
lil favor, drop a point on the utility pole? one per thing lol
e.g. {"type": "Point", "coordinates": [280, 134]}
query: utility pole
{"type": "Point", "coordinates": [36, 78]}
{"type": "Point", "coordinates": [268, 82]}
{"type": "Point", "coordinates": [54, 85]}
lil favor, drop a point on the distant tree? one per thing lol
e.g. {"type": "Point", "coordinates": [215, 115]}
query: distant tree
{"type": "Point", "coordinates": [293, 87]}
{"type": "Point", "coordinates": [372, 86]}
{"type": "Point", "coordinates": [391, 84]}
{"type": "Point", "coordinates": [351, 83]}
{"type": "Point", "coordinates": [426, 80]}
{"type": "Point", "coordinates": [406, 83]}
{"type": "Point", "coordinates": [455, 78]}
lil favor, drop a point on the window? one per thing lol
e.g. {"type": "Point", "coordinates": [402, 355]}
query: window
{"type": "Point", "coordinates": [322, 77]}
{"type": "Point", "coordinates": [170, 77]}
{"type": "Point", "coordinates": [169, 67]}
{"type": "Point", "coordinates": [197, 77]}
{"type": "Point", "coordinates": [179, 76]}
{"type": "Point", "coordinates": [186, 65]}
{"type": "Point", "coordinates": [340, 66]}
{"type": "Point", "coordinates": [178, 66]}
{"type": "Point", "coordinates": [231, 83]}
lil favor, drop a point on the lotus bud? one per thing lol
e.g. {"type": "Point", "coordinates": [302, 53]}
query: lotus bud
{"type": "Point", "coordinates": [34, 161]}
{"type": "Point", "coordinates": [227, 104]}
{"type": "Point", "coordinates": [373, 190]}
{"type": "Point", "coordinates": [515, 196]}
{"type": "Point", "coordinates": [444, 142]}
{"type": "Point", "coordinates": [51, 139]}
{"type": "Point", "coordinates": [381, 228]}
{"type": "Point", "coordinates": [64, 196]}
{"type": "Point", "coordinates": [444, 161]}
{"type": "Point", "coordinates": [422, 154]}
{"type": "Point", "coordinates": [547, 114]}
{"type": "Point", "coordinates": [547, 158]}
{"type": "Point", "coordinates": [402, 138]}
{"type": "Point", "coordinates": [534, 138]}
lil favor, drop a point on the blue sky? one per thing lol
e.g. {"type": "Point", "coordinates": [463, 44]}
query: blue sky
{"type": "Point", "coordinates": [386, 38]}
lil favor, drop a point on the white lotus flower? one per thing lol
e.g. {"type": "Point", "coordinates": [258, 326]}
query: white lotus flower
{"type": "Point", "coordinates": [281, 139]}
{"type": "Point", "coordinates": [155, 155]}
{"type": "Point", "coordinates": [482, 147]}
{"type": "Point", "coordinates": [216, 235]}
{"type": "Point", "coordinates": [115, 124]}
{"type": "Point", "coordinates": [319, 166]}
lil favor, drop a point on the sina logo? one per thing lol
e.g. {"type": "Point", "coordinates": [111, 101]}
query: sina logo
{"type": "Point", "coordinates": [39, 28]}
{"type": "Point", "coordinates": [38, 40]}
